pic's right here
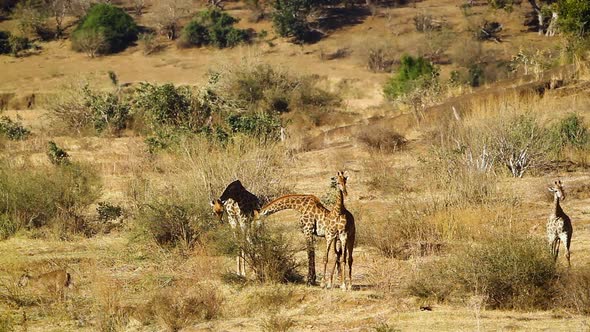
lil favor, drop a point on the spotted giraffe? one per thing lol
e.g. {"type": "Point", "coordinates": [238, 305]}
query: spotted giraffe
{"type": "Point", "coordinates": [240, 205]}
{"type": "Point", "coordinates": [340, 231]}
{"type": "Point", "coordinates": [559, 225]}
{"type": "Point", "coordinates": [313, 220]}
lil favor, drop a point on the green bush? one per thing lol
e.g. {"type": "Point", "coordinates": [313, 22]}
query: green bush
{"type": "Point", "coordinates": [57, 155]}
{"type": "Point", "coordinates": [509, 271]}
{"type": "Point", "coordinates": [193, 34]}
{"type": "Point", "coordinates": [570, 131]}
{"type": "Point", "coordinates": [574, 17]}
{"type": "Point", "coordinates": [33, 198]}
{"type": "Point", "coordinates": [174, 223]}
{"type": "Point", "coordinates": [4, 42]}
{"type": "Point", "coordinates": [412, 73]}
{"type": "Point", "coordinates": [117, 27]}
{"type": "Point", "coordinates": [261, 125]}
{"type": "Point", "coordinates": [169, 106]}
{"type": "Point", "coordinates": [107, 211]}
{"type": "Point", "coordinates": [13, 130]}
{"type": "Point", "coordinates": [290, 18]}
{"type": "Point", "coordinates": [109, 111]}
{"type": "Point", "coordinates": [18, 44]}
{"type": "Point", "coordinates": [90, 42]}
{"type": "Point", "coordinates": [212, 27]}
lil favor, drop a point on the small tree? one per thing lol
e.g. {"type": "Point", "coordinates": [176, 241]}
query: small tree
{"type": "Point", "coordinates": [169, 14]}
{"type": "Point", "coordinates": [31, 15]}
{"type": "Point", "coordinates": [290, 18]}
{"type": "Point", "coordinates": [574, 17]}
{"type": "Point", "coordinates": [116, 26]}
{"type": "Point", "coordinates": [412, 73]}
{"type": "Point", "coordinates": [90, 42]}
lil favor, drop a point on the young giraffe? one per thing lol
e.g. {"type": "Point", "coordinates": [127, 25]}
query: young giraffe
{"type": "Point", "coordinates": [340, 229]}
{"type": "Point", "coordinates": [312, 220]}
{"type": "Point", "coordinates": [240, 205]}
{"type": "Point", "coordinates": [559, 226]}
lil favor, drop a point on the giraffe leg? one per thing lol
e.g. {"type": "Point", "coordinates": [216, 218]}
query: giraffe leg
{"type": "Point", "coordinates": [566, 242]}
{"type": "Point", "coordinates": [337, 266]}
{"type": "Point", "coordinates": [349, 251]}
{"type": "Point", "coordinates": [311, 260]}
{"type": "Point", "coordinates": [344, 245]}
{"type": "Point", "coordinates": [329, 241]}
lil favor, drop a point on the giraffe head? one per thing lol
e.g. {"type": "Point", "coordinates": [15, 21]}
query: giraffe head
{"type": "Point", "coordinates": [340, 181]}
{"type": "Point", "coordinates": [217, 207]}
{"type": "Point", "coordinates": [557, 190]}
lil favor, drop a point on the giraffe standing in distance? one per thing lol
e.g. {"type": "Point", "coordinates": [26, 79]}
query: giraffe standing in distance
{"type": "Point", "coordinates": [340, 229]}
{"type": "Point", "coordinates": [559, 226]}
{"type": "Point", "coordinates": [240, 205]}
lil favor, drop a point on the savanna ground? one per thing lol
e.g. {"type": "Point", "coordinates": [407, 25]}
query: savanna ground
{"type": "Point", "coordinates": [421, 205]}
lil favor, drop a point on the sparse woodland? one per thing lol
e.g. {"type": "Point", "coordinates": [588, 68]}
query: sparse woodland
{"type": "Point", "coordinates": [463, 128]}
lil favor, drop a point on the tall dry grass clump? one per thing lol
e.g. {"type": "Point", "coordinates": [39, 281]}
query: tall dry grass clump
{"type": "Point", "coordinates": [177, 308]}
{"type": "Point", "coordinates": [173, 209]}
{"type": "Point", "coordinates": [55, 196]}
{"type": "Point", "coordinates": [509, 271]}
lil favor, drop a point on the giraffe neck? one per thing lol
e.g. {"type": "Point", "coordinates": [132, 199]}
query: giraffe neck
{"type": "Point", "coordinates": [339, 205]}
{"type": "Point", "coordinates": [557, 207]}
{"type": "Point", "coordinates": [300, 203]}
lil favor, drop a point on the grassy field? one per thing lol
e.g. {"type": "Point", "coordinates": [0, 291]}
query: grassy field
{"type": "Point", "coordinates": [435, 227]}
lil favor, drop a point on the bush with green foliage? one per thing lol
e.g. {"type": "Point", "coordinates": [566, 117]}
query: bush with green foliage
{"type": "Point", "coordinates": [412, 73]}
{"type": "Point", "coordinates": [13, 130]}
{"type": "Point", "coordinates": [117, 27]}
{"type": "Point", "coordinates": [18, 44]}
{"type": "Point", "coordinates": [109, 112]}
{"type": "Point", "coordinates": [169, 106]}
{"type": "Point", "coordinates": [570, 131]}
{"type": "Point", "coordinates": [174, 223]}
{"type": "Point", "coordinates": [574, 17]}
{"type": "Point", "coordinates": [290, 18]}
{"type": "Point", "coordinates": [57, 155]}
{"type": "Point", "coordinates": [107, 211]}
{"type": "Point", "coordinates": [509, 271]}
{"type": "Point", "coordinates": [212, 27]}
{"type": "Point", "coordinates": [262, 125]}
{"type": "Point", "coordinates": [36, 197]}
{"type": "Point", "coordinates": [4, 43]}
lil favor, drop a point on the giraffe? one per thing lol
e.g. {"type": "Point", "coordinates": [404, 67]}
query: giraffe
{"type": "Point", "coordinates": [311, 219]}
{"type": "Point", "coordinates": [340, 230]}
{"type": "Point", "coordinates": [559, 226]}
{"type": "Point", "coordinates": [314, 218]}
{"type": "Point", "coordinates": [240, 205]}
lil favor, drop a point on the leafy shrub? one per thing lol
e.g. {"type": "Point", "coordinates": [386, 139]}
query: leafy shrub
{"type": "Point", "coordinates": [262, 125]}
{"type": "Point", "coordinates": [269, 256]}
{"type": "Point", "coordinates": [57, 155]}
{"type": "Point", "coordinates": [509, 271]}
{"type": "Point", "coordinates": [81, 109]}
{"type": "Point", "coordinates": [167, 105]}
{"type": "Point", "coordinates": [570, 131]}
{"type": "Point", "coordinates": [290, 18]}
{"type": "Point", "coordinates": [13, 130]}
{"type": "Point", "coordinates": [109, 112]}
{"type": "Point", "coordinates": [413, 73]}
{"type": "Point", "coordinates": [212, 27]}
{"type": "Point", "coordinates": [117, 27]}
{"type": "Point", "coordinates": [36, 197]}
{"type": "Point", "coordinates": [261, 87]}
{"type": "Point", "coordinates": [193, 34]}
{"type": "Point", "coordinates": [173, 224]}
{"type": "Point", "coordinates": [90, 42]}
{"type": "Point", "coordinates": [574, 17]}
{"type": "Point", "coordinates": [18, 44]}
{"type": "Point", "coordinates": [4, 43]}
{"type": "Point", "coordinates": [107, 211]}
